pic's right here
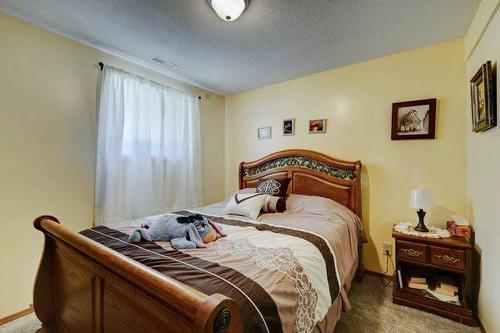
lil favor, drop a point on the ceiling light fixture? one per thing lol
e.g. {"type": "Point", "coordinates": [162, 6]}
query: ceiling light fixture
{"type": "Point", "coordinates": [228, 10]}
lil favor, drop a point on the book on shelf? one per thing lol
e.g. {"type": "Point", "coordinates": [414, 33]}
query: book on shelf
{"type": "Point", "coordinates": [444, 291]}
{"type": "Point", "coordinates": [400, 279]}
{"type": "Point", "coordinates": [421, 286]}
{"type": "Point", "coordinates": [418, 279]}
{"type": "Point", "coordinates": [444, 298]}
{"type": "Point", "coordinates": [446, 284]}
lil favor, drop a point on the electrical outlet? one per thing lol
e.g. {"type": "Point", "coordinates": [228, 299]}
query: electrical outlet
{"type": "Point", "coordinates": [387, 248]}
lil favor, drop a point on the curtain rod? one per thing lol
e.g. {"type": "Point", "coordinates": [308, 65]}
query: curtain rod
{"type": "Point", "coordinates": [101, 64]}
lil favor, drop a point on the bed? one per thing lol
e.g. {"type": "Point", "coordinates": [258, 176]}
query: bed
{"type": "Point", "coordinates": [286, 272]}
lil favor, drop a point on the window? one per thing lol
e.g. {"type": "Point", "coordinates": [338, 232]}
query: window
{"type": "Point", "coordinates": [148, 154]}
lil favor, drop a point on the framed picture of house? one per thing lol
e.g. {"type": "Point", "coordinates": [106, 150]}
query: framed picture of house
{"type": "Point", "coordinates": [414, 120]}
{"type": "Point", "coordinates": [483, 98]}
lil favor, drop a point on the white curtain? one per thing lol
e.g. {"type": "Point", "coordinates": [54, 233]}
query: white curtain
{"type": "Point", "coordinates": [148, 149]}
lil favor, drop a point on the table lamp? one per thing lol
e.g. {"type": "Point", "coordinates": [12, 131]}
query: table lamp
{"type": "Point", "coordinates": [420, 199]}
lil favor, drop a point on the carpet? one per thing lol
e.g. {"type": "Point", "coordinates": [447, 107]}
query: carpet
{"type": "Point", "coordinates": [372, 311]}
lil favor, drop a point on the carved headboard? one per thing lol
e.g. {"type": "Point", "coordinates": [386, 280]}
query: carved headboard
{"type": "Point", "coordinates": [312, 173]}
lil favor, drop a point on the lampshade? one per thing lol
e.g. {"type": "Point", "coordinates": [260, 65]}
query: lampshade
{"type": "Point", "coordinates": [420, 198]}
{"type": "Point", "coordinates": [228, 10]}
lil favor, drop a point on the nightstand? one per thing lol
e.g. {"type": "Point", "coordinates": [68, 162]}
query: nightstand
{"type": "Point", "coordinates": [436, 258]}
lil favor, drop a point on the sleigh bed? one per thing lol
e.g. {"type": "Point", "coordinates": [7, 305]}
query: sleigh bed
{"type": "Point", "coordinates": [94, 281]}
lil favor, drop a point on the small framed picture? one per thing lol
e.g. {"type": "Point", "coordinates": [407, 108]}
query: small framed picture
{"type": "Point", "coordinates": [264, 133]}
{"type": "Point", "coordinates": [483, 98]}
{"type": "Point", "coordinates": [289, 127]}
{"type": "Point", "coordinates": [414, 120]}
{"type": "Point", "coordinates": [317, 126]}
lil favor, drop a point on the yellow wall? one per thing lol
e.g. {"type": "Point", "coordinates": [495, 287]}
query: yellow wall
{"type": "Point", "coordinates": [47, 146]}
{"type": "Point", "coordinates": [483, 168]}
{"type": "Point", "coordinates": [357, 102]}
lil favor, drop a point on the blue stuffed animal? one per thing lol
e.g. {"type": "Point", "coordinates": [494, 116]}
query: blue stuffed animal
{"type": "Point", "coordinates": [183, 232]}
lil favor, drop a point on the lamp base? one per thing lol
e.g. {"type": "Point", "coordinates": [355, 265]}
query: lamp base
{"type": "Point", "coordinates": [421, 225]}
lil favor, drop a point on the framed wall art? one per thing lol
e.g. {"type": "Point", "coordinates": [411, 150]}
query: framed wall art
{"type": "Point", "coordinates": [414, 120]}
{"type": "Point", "coordinates": [317, 126]}
{"type": "Point", "coordinates": [483, 98]}
{"type": "Point", "coordinates": [288, 127]}
{"type": "Point", "coordinates": [264, 133]}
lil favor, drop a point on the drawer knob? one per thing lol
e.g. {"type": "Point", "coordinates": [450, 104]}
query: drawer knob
{"type": "Point", "coordinates": [447, 259]}
{"type": "Point", "coordinates": [411, 252]}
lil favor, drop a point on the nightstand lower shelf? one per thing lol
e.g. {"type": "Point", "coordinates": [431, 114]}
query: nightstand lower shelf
{"type": "Point", "coordinates": [415, 299]}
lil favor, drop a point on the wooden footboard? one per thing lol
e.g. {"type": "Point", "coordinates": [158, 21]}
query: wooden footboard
{"type": "Point", "coordinates": [82, 286]}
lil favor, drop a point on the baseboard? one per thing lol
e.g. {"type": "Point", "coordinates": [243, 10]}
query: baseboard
{"type": "Point", "coordinates": [16, 315]}
{"type": "Point", "coordinates": [386, 276]}
{"type": "Point", "coordinates": [481, 327]}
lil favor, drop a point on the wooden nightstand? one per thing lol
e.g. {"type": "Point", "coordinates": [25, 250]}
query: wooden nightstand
{"type": "Point", "coordinates": [451, 258]}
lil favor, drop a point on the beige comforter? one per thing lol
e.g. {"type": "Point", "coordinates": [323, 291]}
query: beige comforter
{"type": "Point", "coordinates": [302, 260]}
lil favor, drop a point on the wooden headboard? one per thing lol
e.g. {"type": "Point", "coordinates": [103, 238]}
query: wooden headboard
{"type": "Point", "coordinates": [312, 173]}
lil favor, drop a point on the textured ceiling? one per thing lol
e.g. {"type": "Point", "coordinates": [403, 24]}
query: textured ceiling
{"type": "Point", "coordinates": [273, 41]}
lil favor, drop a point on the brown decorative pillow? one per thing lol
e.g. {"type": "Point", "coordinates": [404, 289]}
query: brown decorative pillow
{"type": "Point", "coordinates": [273, 186]}
{"type": "Point", "coordinates": [274, 205]}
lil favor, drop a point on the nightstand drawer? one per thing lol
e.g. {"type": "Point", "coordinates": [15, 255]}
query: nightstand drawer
{"type": "Point", "coordinates": [447, 257]}
{"type": "Point", "coordinates": [412, 251]}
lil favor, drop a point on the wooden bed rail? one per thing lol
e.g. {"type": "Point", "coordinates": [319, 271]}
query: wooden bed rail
{"type": "Point", "coordinates": [83, 286]}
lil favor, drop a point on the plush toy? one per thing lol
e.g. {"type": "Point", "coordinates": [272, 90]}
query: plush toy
{"type": "Point", "coordinates": [184, 232]}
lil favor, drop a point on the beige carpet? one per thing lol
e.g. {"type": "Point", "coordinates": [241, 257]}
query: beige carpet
{"type": "Point", "coordinates": [372, 311]}
{"type": "Point", "coordinates": [25, 324]}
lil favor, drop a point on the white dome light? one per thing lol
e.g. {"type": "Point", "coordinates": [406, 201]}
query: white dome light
{"type": "Point", "coordinates": [228, 10]}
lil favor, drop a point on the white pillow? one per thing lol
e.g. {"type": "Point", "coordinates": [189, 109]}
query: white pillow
{"type": "Point", "coordinates": [248, 190]}
{"type": "Point", "coordinates": [248, 205]}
